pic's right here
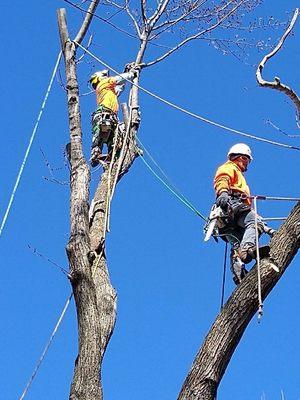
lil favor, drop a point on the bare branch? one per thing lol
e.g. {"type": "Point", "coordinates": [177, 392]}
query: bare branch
{"type": "Point", "coordinates": [276, 84]}
{"type": "Point", "coordinates": [268, 121]}
{"type": "Point", "coordinates": [170, 23]}
{"type": "Point", "coordinates": [143, 10]}
{"type": "Point", "coordinates": [133, 19]}
{"type": "Point", "coordinates": [35, 251]}
{"type": "Point", "coordinates": [87, 20]}
{"type": "Point", "coordinates": [126, 8]}
{"type": "Point", "coordinates": [196, 36]}
{"type": "Point", "coordinates": [158, 13]}
{"type": "Point", "coordinates": [103, 20]}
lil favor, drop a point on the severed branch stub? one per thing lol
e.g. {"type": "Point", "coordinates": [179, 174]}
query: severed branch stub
{"type": "Point", "coordinates": [276, 83]}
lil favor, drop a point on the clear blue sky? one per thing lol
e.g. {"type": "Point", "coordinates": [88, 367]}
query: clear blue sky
{"type": "Point", "coordinates": [168, 281]}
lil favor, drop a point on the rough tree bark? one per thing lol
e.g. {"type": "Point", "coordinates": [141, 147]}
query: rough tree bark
{"type": "Point", "coordinates": [94, 295]}
{"type": "Point", "coordinates": [214, 355]}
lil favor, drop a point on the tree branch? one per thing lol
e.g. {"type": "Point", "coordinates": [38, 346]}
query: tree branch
{"type": "Point", "coordinates": [87, 20]}
{"type": "Point", "coordinates": [102, 19]}
{"type": "Point", "coordinates": [276, 84]}
{"type": "Point", "coordinates": [197, 35]}
{"type": "Point", "coordinates": [143, 11]}
{"type": "Point", "coordinates": [213, 357]}
{"type": "Point", "coordinates": [158, 13]}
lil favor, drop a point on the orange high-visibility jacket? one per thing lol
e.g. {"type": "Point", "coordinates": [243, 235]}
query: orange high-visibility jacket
{"type": "Point", "coordinates": [107, 95]}
{"type": "Point", "coordinates": [230, 178]}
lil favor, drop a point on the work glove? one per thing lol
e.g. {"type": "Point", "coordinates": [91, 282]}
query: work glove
{"type": "Point", "coordinates": [222, 200]}
{"type": "Point", "coordinates": [129, 67]}
{"type": "Point", "coordinates": [136, 70]}
{"type": "Point", "coordinates": [133, 68]}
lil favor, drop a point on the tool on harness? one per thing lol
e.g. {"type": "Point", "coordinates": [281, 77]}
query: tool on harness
{"type": "Point", "coordinates": [215, 221]}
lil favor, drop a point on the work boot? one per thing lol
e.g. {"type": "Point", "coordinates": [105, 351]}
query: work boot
{"type": "Point", "coordinates": [238, 269]}
{"type": "Point", "coordinates": [96, 156]}
{"type": "Point", "coordinates": [247, 253]}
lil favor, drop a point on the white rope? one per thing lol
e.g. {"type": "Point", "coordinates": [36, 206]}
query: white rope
{"type": "Point", "coordinates": [120, 161]}
{"type": "Point", "coordinates": [107, 209]}
{"type": "Point", "coordinates": [29, 146]}
{"type": "Point", "coordinates": [46, 347]}
{"type": "Point", "coordinates": [203, 119]}
{"type": "Point", "coordinates": [260, 303]}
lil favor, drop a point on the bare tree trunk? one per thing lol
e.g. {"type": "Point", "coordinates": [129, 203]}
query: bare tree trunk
{"type": "Point", "coordinates": [86, 381]}
{"type": "Point", "coordinates": [214, 355]}
{"type": "Point", "coordinates": [94, 295]}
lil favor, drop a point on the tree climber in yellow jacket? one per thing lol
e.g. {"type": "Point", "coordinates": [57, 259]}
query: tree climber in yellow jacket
{"type": "Point", "coordinates": [105, 118]}
{"type": "Point", "coordinates": [233, 196]}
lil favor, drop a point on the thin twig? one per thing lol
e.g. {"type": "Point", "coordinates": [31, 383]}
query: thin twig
{"type": "Point", "coordinates": [268, 121]}
{"type": "Point", "coordinates": [102, 19]}
{"type": "Point", "coordinates": [63, 270]}
{"type": "Point", "coordinates": [188, 39]}
{"type": "Point", "coordinates": [169, 24]}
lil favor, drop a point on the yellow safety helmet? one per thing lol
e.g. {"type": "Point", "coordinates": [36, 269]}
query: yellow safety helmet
{"type": "Point", "coordinates": [97, 76]}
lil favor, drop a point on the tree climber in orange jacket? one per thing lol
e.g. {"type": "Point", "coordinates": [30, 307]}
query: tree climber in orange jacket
{"type": "Point", "coordinates": [233, 196]}
{"type": "Point", "coordinates": [105, 118]}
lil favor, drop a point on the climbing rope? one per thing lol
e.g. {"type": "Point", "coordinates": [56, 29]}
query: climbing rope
{"type": "Point", "coordinates": [183, 199]}
{"type": "Point", "coordinates": [260, 302]}
{"type": "Point", "coordinates": [107, 209]}
{"type": "Point", "coordinates": [179, 108]}
{"type": "Point", "coordinates": [41, 359]}
{"type": "Point", "coordinates": [224, 276]}
{"type": "Point", "coordinates": [121, 156]}
{"type": "Point", "coordinates": [167, 181]}
{"type": "Point", "coordinates": [29, 145]}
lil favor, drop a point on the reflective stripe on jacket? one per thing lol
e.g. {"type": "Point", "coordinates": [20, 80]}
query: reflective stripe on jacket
{"type": "Point", "coordinates": [230, 178]}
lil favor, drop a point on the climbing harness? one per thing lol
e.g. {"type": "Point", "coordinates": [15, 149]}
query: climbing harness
{"type": "Point", "coordinates": [104, 126]}
{"type": "Point", "coordinates": [105, 120]}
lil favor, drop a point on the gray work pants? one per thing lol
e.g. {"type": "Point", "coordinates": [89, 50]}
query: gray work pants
{"type": "Point", "coordinates": [241, 227]}
{"type": "Point", "coordinates": [239, 232]}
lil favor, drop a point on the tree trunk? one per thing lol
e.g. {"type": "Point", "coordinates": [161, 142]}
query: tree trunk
{"type": "Point", "coordinates": [213, 357]}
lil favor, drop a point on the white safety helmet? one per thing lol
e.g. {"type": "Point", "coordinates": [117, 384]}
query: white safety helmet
{"type": "Point", "coordinates": [97, 76]}
{"type": "Point", "coordinates": [240, 149]}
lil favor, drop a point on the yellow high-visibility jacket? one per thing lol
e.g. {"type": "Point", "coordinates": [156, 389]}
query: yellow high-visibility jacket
{"type": "Point", "coordinates": [107, 95]}
{"type": "Point", "coordinates": [230, 178]}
